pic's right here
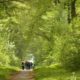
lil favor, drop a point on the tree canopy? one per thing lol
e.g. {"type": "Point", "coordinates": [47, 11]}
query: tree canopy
{"type": "Point", "coordinates": [49, 29]}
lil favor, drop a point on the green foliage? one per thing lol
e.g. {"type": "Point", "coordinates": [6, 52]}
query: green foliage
{"type": "Point", "coordinates": [70, 52]}
{"type": "Point", "coordinates": [48, 29]}
{"type": "Point", "coordinates": [70, 57]}
{"type": "Point", "coordinates": [50, 73]}
{"type": "Point", "coordinates": [4, 59]}
{"type": "Point", "coordinates": [15, 61]}
{"type": "Point", "coordinates": [55, 73]}
{"type": "Point", "coordinates": [6, 71]}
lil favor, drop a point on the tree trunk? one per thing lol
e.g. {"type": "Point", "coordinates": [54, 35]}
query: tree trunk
{"type": "Point", "coordinates": [73, 8]}
{"type": "Point", "coordinates": [69, 13]}
{"type": "Point", "coordinates": [56, 2]}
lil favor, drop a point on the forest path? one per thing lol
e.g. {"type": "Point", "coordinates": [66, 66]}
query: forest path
{"type": "Point", "coordinates": [24, 75]}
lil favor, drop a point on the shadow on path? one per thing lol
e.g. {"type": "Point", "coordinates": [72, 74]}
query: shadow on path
{"type": "Point", "coordinates": [24, 75]}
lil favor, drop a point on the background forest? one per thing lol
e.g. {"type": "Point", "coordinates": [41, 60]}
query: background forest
{"type": "Point", "coordinates": [48, 29]}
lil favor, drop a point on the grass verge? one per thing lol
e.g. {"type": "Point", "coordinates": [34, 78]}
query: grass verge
{"type": "Point", "coordinates": [55, 73]}
{"type": "Point", "coordinates": [6, 71]}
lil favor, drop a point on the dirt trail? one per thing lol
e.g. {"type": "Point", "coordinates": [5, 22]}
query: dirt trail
{"type": "Point", "coordinates": [24, 75]}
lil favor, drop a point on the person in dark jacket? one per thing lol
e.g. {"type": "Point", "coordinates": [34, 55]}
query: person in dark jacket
{"type": "Point", "coordinates": [23, 65]}
{"type": "Point", "coordinates": [29, 65]}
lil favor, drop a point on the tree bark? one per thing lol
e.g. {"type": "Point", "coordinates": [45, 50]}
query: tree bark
{"type": "Point", "coordinates": [56, 2]}
{"type": "Point", "coordinates": [73, 8]}
{"type": "Point", "coordinates": [69, 13]}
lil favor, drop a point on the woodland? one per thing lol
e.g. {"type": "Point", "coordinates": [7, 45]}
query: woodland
{"type": "Point", "coordinates": [48, 29]}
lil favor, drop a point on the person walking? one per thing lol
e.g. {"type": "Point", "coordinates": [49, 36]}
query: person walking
{"type": "Point", "coordinates": [22, 65]}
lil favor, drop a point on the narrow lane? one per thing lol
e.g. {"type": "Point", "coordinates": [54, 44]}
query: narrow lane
{"type": "Point", "coordinates": [24, 75]}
